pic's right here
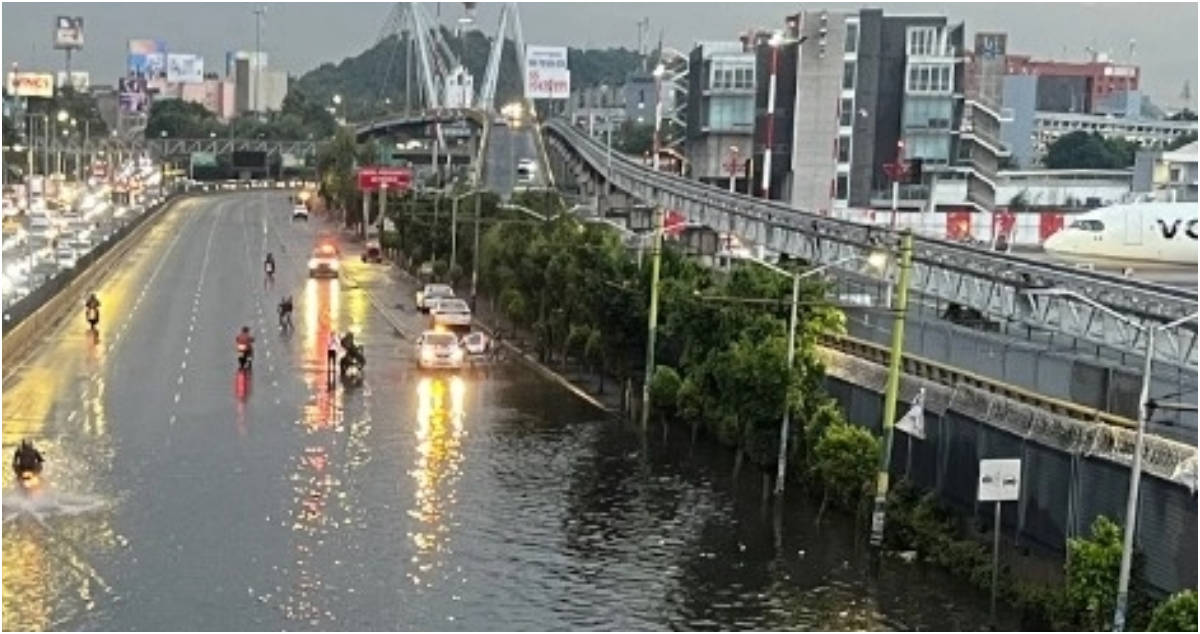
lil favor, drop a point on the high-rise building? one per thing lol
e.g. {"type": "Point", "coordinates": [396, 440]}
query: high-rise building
{"type": "Point", "coordinates": [256, 87]}
{"type": "Point", "coordinates": [1075, 86]}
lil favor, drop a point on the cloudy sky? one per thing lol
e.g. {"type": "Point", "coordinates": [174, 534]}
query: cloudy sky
{"type": "Point", "coordinates": [301, 36]}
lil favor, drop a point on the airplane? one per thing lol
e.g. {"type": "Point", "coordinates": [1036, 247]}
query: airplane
{"type": "Point", "coordinates": [1138, 232]}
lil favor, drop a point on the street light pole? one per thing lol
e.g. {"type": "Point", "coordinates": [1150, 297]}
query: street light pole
{"type": "Point", "coordinates": [878, 516]}
{"type": "Point", "coordinates": [652, 330]}
{"type": "Point", "coordinates": [475, 253]}
{"type": "Point", "coordinates": [784, 429]}
{"type": "Point", "coordinates": [775, 42]}
{"type": "Point", "coordinates": [659, 71]}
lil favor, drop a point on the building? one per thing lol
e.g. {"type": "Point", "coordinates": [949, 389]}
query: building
{"type": "Point", "coordinates": [639, 97]}
{"type": "Point", "coordinates": [458, 89]}
{"type": "Point", "coordinates": [859, 91]}
{"type": "Point", "coordinates": [256, 87]}
{"type": "Point", "coordinates": [720, 110]}
{"type": "Point", "coordinates": [1168, 175]}
{"type": "Point", "coordinates": [1075, 86]}
{"type": "Point", "coordinates": [597, 107]}
{"type": "Point", "coordinates": [981, 148]}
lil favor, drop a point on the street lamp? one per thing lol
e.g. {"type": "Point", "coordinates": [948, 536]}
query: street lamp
{"type": "Point", "coordinates": [659, 72]}
{"type": "Point", "coordinates": [1145, 408]}
{"type": "Point", "coordinates": [62, 116]}
{"type": "Point", "coordinates": [879, 512]}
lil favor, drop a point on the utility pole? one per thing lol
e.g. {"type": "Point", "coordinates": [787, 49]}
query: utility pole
{"type": "Point", "coordinates": [258, 14]}
{"type": "Point", "coordinates": [475, 253]}
{"type": "Point", "coordinates": [784, 429]}
{"type": "Point", "coordinates": [656, 245]}
{"type": "Point", "coordinates": [878, 515]}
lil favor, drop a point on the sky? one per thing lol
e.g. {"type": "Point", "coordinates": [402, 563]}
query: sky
{"type": "Point", "coordinates": [301, 36]}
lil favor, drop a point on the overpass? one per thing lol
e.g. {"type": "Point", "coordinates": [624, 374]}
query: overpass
{"type": "Point", "coordinates": [175, 146]}
{"type": "Point", "coordinates": [1098, 348]}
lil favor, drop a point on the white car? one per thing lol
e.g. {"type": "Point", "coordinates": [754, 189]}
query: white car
{"type": "Point", "coordinates": [429, 295]}
{"type": "Point", "coordinates": [451, 313]}
{"type": "Point", "coordinates": [324, 262]}
{"type": "Point", "coordinates": [299, 212]}
{"type": "Point", "coordinates": [436, 349]}
{"type": "Point", "coordinates": [66, 258]}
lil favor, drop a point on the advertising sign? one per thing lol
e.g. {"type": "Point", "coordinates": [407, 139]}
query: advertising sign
{"type": "Point", "coordinates": [185, 68]}
{"type": "Point", "coordinates": [80, 80]}
{"type": "Point", "coordinates": [31, 84]}
{"type": "Point", "coordinates": [395, 179]}
{"type": "Point", "coordinates": [546, 74]}
{"type": "Point", "coordinates": [133, 94]}
{"type": "Point", "coordinates": [68, 32]}
{"type": "Point", "coordinates": [147, 58]}
{"type": "Point", "coordinates": [289, 160]}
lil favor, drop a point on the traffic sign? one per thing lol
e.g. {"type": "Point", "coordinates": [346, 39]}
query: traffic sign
{"type": "Point", "coordinates": [396, 179]}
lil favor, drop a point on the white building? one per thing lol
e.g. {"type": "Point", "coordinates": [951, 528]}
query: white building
{"type": "Point", "coordinates": [1148, 133]}
{"type": "Point", "coordinates": [458, 91]}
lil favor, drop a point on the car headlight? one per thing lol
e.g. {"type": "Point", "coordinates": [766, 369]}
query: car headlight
{"type": "Point", "coordinates": [334, 264]}
{"type": "Point", "coordinates": [456, 353]}
{"type": "Point", "coordinates": [427, 354]}
{"type": "Point", "coordinates": [420, 297]}
{"type": "Point", "coordinates": [312, 263]}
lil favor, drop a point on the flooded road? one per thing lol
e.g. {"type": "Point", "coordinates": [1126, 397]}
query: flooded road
{"type": "Point", "coordinates": [179, 496]}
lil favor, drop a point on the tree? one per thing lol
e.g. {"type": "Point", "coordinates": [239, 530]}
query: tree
{"type": "Point", "coordinates": [1176, 614]}
{"type": "Point", "coordinates": [1084, 150]}
{"type": "Point", "coordinates": [634, 138]}
{"type": "Point", "coordinates": [1183, 115]}
{"type": "Point", "coordinates": [845, 459]}
{"type": "Point", "coordinates": [1092, 568]}
{"type": "Point", "coordinates": [1181, 141]}
{"type": "Point", "coordinates": [664, 390]}
{"type": "Point", "coordinates": [181, 119]}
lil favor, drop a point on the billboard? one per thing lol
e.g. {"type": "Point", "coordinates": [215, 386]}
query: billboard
{"type": "Point", "coordinates": [133, 94]}
{"type": "Point", "coordinates": [31, 84]}
{"type": "Point", "coordinates": [68, 32]}
{"type": "Point", "coordinates": [395, 179]}
{"type": "Point", "coordinates": [546, 73]}
{"type": "Point", "coordinates": [204, 159]}
{"type": "Point", "coordinates": [80, 80]}
{"type": "Point", "coordinates": [147, 58]}
{"type": "Point", "coordinates": [249, 159]}
{"type": "Point", "coordinates": [185, 68]}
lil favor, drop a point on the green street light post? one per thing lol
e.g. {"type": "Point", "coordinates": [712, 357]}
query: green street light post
{"type": "Point", "coordinates": [652, 329]}
{"type": "Point", "coordinates": [879, 513]}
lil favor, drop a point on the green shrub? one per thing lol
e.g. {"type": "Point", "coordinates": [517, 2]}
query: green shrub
{"type": "Point", "coordinates": [1176, 614]}
{"type": "Point", "coordinates": [664, 390]}
{"type": "Point", "coordinates": [1092, 569]}
{"type": "Point", "coordinates": [845, 460]}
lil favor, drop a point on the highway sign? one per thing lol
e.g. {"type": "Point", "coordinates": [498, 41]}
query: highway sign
{"type": "Point", "coordinates": [999, 480]}
{"type": "Point", "coordinates": [396, 179]}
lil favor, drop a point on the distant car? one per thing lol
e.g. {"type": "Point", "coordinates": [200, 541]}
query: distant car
{"type": "Point", "coordinates": [500, 121]}
{"type": "Point", "coordinates": [436, 349]}
{"type": "Point", "coordinates": [66, 258]}
{"type": "Point", "coordinates": [451, 313]}
{"type": "Point", "coordinates": [324, 262]}
{"type": "Point", "coordinates": [372, 252]}
{"type": "Point", "coordinates": [300, 212]}
{"type": "Point", "coordinates": [432, 293]}
{"type": "Point", "coordinates": [477, 346]}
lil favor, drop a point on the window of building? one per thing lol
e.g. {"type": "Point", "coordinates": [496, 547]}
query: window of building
{"type": "Point", "coordinates": [846, 112]}
{"type": "Point", "coordinates": [848, 76]}
{"type": "Point", "coordinates": [930, 78]}
{"type": "Point", "coordinates": [922, 40]}
{"type": "Point", "coordinates": [843, 149]}
{"type": "Point", "coordinates": [851, 37]}
{"type": "Point", "coordinates": [842, 189]}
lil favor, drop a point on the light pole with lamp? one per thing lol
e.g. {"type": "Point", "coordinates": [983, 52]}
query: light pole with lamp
{"type": "Point", "coordinates": [62, 117]}
{"type": "Point", "coordinates": [337, 103]}
{"type": "Point", "coordinates": [1145, 409]}
{"type": "Point", "coordinates": [776, 42]}
{"type": "Point", "coordinates": [879, 512]}
{"type": "Point", "coordinates": [659, 72]}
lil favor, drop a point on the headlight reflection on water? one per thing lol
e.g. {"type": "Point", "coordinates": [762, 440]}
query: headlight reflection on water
{"type": "Point", "coordinates": [439, 436]}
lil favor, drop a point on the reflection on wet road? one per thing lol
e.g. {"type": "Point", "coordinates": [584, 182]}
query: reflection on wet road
{"type": "Point", "coordinates": [180, 494]}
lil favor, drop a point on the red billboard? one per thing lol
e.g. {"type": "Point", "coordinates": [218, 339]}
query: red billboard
{"type": "Point", "coordinates": [391, 178]}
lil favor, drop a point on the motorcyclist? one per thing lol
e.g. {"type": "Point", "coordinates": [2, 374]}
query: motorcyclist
{"type": "Point", "coordinates": [353, 353]}
{"type": "Point", "coordinates": [244, 339]}
{"type": "Point", "coordinates": [27, 458]}
{"type": "Point", "coordinates": [91, 308]}
{"type": "Point", "coordinates": [285, 312]}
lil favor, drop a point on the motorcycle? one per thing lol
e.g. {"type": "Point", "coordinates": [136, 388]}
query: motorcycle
{"type": "Point", "coordinates": [245, 356]}
{"type": "Point", "coordinates": [27, 468]}
{"type": "Point", "coordinates": [352, 370]}
{"type": "Point", "coordinates": [92, 314]}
